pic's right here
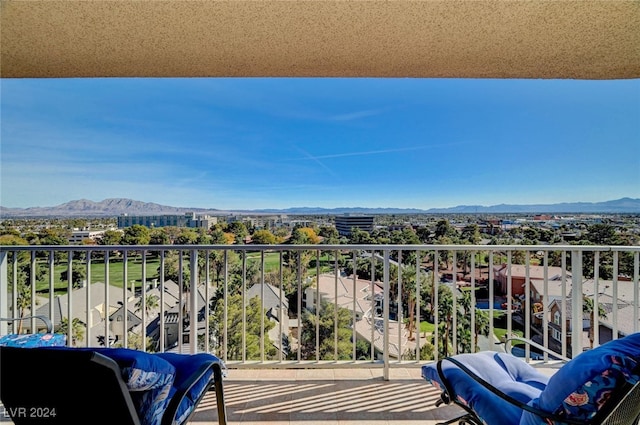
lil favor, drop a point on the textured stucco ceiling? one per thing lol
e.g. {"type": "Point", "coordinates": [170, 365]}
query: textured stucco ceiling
{"type": "Point", "coordinates": [479, 39]}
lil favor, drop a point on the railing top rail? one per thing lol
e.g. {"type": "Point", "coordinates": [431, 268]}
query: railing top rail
{"type": "Point", "coordinates": [321, 247]}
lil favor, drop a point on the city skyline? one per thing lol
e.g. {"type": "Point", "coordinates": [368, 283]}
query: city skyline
{"type": "Point", "coordinates": [245, 143]}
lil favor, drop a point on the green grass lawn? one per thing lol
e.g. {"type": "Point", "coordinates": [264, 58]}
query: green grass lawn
{"type": "Point", "coordinates": [424, 326]}
{"type": "Point", "coordinates": [116, 273]}
{"type": "Point", "coordinates": [427, 327]}
{"type": "Point", "coordinates": [271, 260]}
{"type": "Point", "coordinates": [501, 333]}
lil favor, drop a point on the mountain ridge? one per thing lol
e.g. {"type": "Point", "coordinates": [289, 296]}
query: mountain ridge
{"type": "Point", "coordinates": [118, 206]}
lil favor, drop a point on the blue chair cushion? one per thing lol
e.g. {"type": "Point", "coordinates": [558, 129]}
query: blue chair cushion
{"type": "Point", "coordinates": [34, 340]}
{"type": "Point", "coordinates": [579, 389]}
{"type": "Point", "coordinates": [149, 379]}
{"type": "Point", "coordinates": [186, 365]}
{"type": "Point", "coordinates": [504, 371]}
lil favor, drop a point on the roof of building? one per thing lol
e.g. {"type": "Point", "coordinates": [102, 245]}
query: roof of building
{"type": "Point", "coordinates": [271, 295]}
{"type": "Point", "coordinates": [624, 318]}
{"type": "Point", "coordinates": [535, 272]}
{"type": "Point", "coordinates": [79, 303]}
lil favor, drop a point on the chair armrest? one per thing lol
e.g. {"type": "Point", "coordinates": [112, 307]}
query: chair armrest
{"type": "Point", "coordinates": [44, 319]}
{"type": "Point", "coordinates": [507, 347]}
{"type": "Point", "coordinates": [182, 391]}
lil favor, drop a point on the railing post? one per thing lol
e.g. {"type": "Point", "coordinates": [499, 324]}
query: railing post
{"type": "Point", "coordinates": [4, 290]}
{"type": "Point", "coordinates": [385, 313]}
{"type": "Point", "coordinates": [193, 319]}
{"type": "Point", "coordinates": [576, 303]}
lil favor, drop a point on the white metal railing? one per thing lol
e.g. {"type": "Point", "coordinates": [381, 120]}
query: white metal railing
{"type": "Point", "coordinates": [368, 318]}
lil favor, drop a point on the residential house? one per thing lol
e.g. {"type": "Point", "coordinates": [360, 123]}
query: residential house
{"type": "Point", "coordinates": [366, 302]}
{"type": "Point", "coordinates": [134, 315]}
{"type": "Point", "coordinates": [519, 276]}
{"type": "Point", "coordinates": [277, 308]}
{"type": "Point", "coordinates": [95, 304]}
{"type": "Point", "coordinates": [619, 315]}
{"type": "Point", "coordinates": [172, 316]}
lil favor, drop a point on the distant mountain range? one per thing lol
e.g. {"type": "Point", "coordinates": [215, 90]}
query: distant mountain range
{"type": "Point", "coordinates": [118, 206]}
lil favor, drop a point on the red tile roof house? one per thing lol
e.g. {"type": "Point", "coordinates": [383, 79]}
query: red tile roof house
{"type": "Point", "coordinates": [519, 274]}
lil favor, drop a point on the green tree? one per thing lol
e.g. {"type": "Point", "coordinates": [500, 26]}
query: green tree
{"type": "Point", "coordinates": [78, 274]}
{"type": "Point", "coordinates": [187, 237]}
{"type": "Point", "coordinates": [263, 237]}
{"type": "Point", "coordinates": [602, 234]}
{"type": "Point", "coordinates": [304, 236]}
{"type": "Point", "coordinates": [77, 329]}
{"type": "Point", "coordinates": [159, 237]}
{"type": "Point", "coordinates": [203, 237]}
{"type": "Point", "coordinates": [134, 341]}
{"type": "Point", "coordinates": [408, 296]}
{"type": "Point", "coordinates": [254, 317]}
{"type": "Point", "coordinates": [172, 267]}
{"type": "Point", "coordinates": [426, 352]}
{"type": "Point", "coordinates": [12, 239]}
{"type": "Point", "coordinates": [24, 302]}
{"type": "Point", "coordinates": [326, 321]}
{"type": "Point", "coordinates": [111, 237]}
{"type": "Point", "coordinates": [465, 332]}
{"type": "Point", "coordinates": [239, 230]}
{"type": "Point", "coordinates": [152, 303]}
{"type": "Point", "coordinates": [481, 326]}
{"type": "Point", "coordinates": [588, 307]}
{"type": "Point", "coordinates": [53, 237]}
{"type": "Point", "coordinates": [444, 228]}
{"type": "Point", "coordinates": [172, 232]}
{"type": "Point", "coordinates": [330, 235]}
{"type": "Point", "coordinates": [136, 235]}
{"type": "Point", "coordinates": [446, 256]}
{"type": "Point", "coordinates": [445, 313]}
{"type": "Point", "coordinates": [531, 234]}
{"type": "Point", "coordinates": [358, 236]}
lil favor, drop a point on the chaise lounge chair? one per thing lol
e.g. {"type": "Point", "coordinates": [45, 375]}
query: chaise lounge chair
{"type": "Point", "coordinates": [600, 386]}
{"type": "Point", "coordinates": [62, 385]}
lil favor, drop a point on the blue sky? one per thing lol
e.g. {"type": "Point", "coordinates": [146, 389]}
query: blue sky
{"type": "Point", "coordinates": [277, 143]}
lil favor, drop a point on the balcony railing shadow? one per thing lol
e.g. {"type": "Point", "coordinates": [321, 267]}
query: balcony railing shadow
{"type": "Point", "coordinates": [356, 396]}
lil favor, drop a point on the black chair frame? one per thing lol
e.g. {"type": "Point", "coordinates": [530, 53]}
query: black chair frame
{"type": "Point", "coordinates": [43, 385]}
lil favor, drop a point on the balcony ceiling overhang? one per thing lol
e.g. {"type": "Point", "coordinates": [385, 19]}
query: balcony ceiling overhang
{"type": "Point", "coordinates": [457, 39]}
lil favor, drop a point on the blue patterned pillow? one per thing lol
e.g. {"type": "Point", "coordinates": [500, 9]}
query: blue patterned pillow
{"type": "Point", "coordinates": [149, 379]}
{"type": "Point", "coordinates": [581, 387]}
{"type": "Point", "coordinates": [33, 340]}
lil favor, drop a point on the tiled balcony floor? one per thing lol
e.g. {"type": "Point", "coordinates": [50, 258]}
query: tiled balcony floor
{"type": "Point", "coordinates": [326, 396]}
{"type": "Point", "coordinates": [329, 396]}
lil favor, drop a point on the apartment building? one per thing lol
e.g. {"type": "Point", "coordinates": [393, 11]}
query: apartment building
{"type": "Point", "coordinates": [344, 223]}
{"type": "Point", "coordinates": [177, 220]}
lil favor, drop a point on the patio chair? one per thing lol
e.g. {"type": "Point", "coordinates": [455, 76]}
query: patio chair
{"type": "Point", "coordinates": [106, 385]}
{"type": "Point", "coordinates": [599, 386]}
{"type": "Point", "coordinates": [39, 339]}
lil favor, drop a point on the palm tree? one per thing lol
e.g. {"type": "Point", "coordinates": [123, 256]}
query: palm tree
{"type": "Point", "coordinates": [481, 325]}
{"type": "Point", "coordinates": [409, 293]}
{"type": "Point", "coordinates": [588, 308]}
{"type": "Point", "coordinates": [77, 329]}
{"type": "Point", "coordinates": [152, 302]}
{"type": "Point", "coordinates": [445, 311]}
{"type": "Point", "coordinates": [24, 302]}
